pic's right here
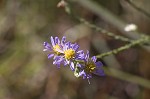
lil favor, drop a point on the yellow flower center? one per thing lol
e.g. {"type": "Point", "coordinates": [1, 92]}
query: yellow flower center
{"type": "Point", "coordinates": [55, 49]}
{"type": "Point", "coordinates": [69, 54]}
{"type": "Point", "coordinates": [90, 67]}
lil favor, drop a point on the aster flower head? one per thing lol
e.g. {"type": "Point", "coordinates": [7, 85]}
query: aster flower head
{"type": "Point", "coordinates": [63, 52]}
{"type": "Point", "coordinates": [55, 45]}
{"type": "Point", "coordinates": [71, 51]}
{"type": "Point", "coordinates": [89, 67]}
{"type": "Point", "coordinates": [70, 54]}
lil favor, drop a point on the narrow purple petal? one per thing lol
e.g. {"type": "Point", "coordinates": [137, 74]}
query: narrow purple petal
{"type": "Point", "coordinates": [87, 56]}
{"type": "Point", "coordinates": [69, 45]}
{"type": "Point", "coordinates": [79, 65]}
{"type": "Point", "coordinates": [57, 41]}
{"type": "Point", "coordinates": [50, 56]}
{"type": "Point", "coordinates": [94, 59]}
{"type": "Point", "coordinates": [99, 64]}
{"type": "Point", "coordinates": [65, 63]}
{"type": "Point", "coordinates": [54, 62]}
{"type": "Point", "coordinates": [82, 73]}
{"type": "Point", "coordinates": [52, 41]}
{"type": "Point", "coordinates": [58, 65]}
{"type": "Point", "coordinates": [47, 46]}
{"type": "Point", "coordinates": [56, 57]}
{"type": "Point", "coordinates": [79, 57]}
{"type": "Point", "coordinates": [60, 60]}
{"type": "Point", "coordinates": [63, 40]}
{"type": "Point", "coordinates": [45, 43]}
{"type": "Point", "coordinates": [75, 47]}
{"type": "Point", "coordinates": [66, 46]}
{"type": "Point", "coordinates": [99, 72]}
{"type": "Point", "coordinates": [80, 52]}
{"type": "Point", "coordinates": [72, 66]}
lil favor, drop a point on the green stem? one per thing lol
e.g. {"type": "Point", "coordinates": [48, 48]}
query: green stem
{"type": "Point", "coordinates": [143, 39]}
{"type": "Point", "coordinates": [100, 30]}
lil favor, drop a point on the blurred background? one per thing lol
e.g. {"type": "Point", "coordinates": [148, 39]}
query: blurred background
{"type": "Point", "coordinates": [25, 71]}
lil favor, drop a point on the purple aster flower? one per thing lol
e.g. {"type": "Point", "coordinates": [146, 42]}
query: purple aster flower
{"type": "Point", "coordinates": [63, 52]}
{"type": "Point", "coordinates": [88, 67]}
{"type": "Point", "coordinates": [55, 45]}
{"type": "Point", "coordinates": [70, 54]}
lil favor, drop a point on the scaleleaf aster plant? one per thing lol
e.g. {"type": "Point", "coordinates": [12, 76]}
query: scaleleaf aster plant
{"type": "Point", "coordinates": [68, 54]}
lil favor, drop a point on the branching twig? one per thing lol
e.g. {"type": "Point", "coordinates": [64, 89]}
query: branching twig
{"type": "Point", "coordinates": [107, 16]}
{"type": "Point", "coordinates": [99, 29]}
{"type": "Point", "coordinates": [111, 18]}
{"type": "Point", "coordinates": [133, 43]}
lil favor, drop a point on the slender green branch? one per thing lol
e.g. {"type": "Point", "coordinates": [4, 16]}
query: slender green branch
{"type": "Point", "coordinates": [135, 35]}
{"type": "Point", "coordinates": [99, 29]}
{"type": "Point", "coordinates": [143, 39]}
{"type": "Point", "coordinates": [107, 16]}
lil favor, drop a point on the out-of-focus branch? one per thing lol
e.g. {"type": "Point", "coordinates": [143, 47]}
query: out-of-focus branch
{"type": "Point", "coordinates": [137, 8]}
{"type": "Point", "coordinates": [109, 17]}
{"type": "Point", "coordinates": [127, 77]}
{"type": "Point", "coordinates": [99, 29]}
